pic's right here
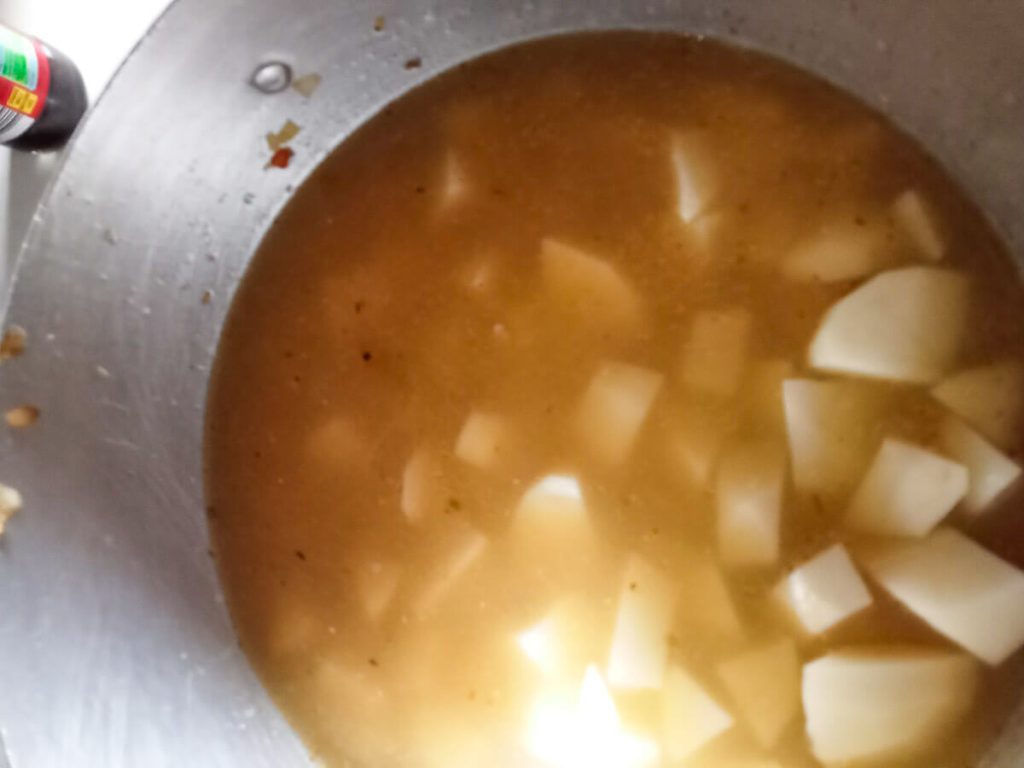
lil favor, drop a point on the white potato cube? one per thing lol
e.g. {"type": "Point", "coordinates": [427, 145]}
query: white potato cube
{"type": "Point", "coordinates": [454, 182]}
{"type": "Point", "coordinates": [764, 683]}
{"type": "Point", "coordinates": [422, 486]}
{"type": "Point", "coordinates": [832, 428]}
{"type": "Point", "coordinates": [877, 704]}
{"type": "Point", "coordinates": [991, 472]}
{"type": "Point", "coordinates": [706, 605]}
{"type": "Point", "coordinates": [903, 325]}
{"type": "Point", "coordinates": [586, 285]}
{"type": "Point", "coordinates": [377, 582]}
{"type": "Point", "coordinates": [560, 643]}
{"type": "Point", "coordinates": [959, 589]}
{"type": "Point", "coordinates": [988, 397]}
{"type": "Point", "coordinates": [907, 491]}
{"type": "Point", "coordinates": [551, 532]}
{"type": "Point", "coordinates": [915, 220]}
{"type": "Point", "coordinates": [824, 591]}
{"type": "Point", "coordinates": [639, 649]}
{"type": "Point", "coordinates": [748, 496]}
{"type": "Point", "coordinates": [464, 549]}
{"type": "Point", "coordinates": [696, 178]}
{"type": "Point", "coordinates": [716, 353]}
{"type": "Point", "coordinates": [614, 407]}
{"type": "Point", "coordinates": [481, 440]}
{"type": "Point", "coordinates": [838, 252]}
{"type": "Point", "coordinates": [690, 716]}
{"type": "Point", "coordinates": [551, 499]}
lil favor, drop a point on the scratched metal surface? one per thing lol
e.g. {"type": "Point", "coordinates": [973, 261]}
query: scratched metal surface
{"type": "Point", "coordinates": [116, 649]}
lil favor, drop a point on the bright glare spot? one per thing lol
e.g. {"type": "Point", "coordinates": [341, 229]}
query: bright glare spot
{"type": "Point", "coordinates": [586, 733]}
{"type": "Point", "coordinates": [560, 485]}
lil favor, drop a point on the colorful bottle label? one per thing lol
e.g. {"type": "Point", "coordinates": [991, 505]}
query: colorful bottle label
{"type": "Point", "coordinates": [24, 83]}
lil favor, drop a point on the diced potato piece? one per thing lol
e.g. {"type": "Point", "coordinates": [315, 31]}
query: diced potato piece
{"type": "Point", "coordinates": [422, 486]}
{"type": "Point", "coordinates": [454, 183]}
{"type": "Point", "coordinates": [639, 649]}
{"type": "Point", "coordinates": [959, 588]}
{"type": "Point", "coordinates": [587, 285]}
{"type": "Point", "coordinates": [336, 442]}
{"type": "Point", "coordinates": [764, 683]}
{"type": "Point", "coordinates": [706, 605]}
{"type": "Point", "coordinates": [464, 549]}
{"type": "Point", "coordinates": [875, 704]}
{"type": "Point", "coordinates": [481, 440]}
{"type": "Point", "coordinates": [716, 353]}
{"type": "Point", "coordinates": [907, 491]}
{"type": "Point", "coordinates": [748, 491]}
{"type": "Point", "coordinates": [377, 582]}
{"type": "Point", "coordinates": [551, 499]}
{"type": "Point", "coordinates": [824, 591]}
{"type": "Point", "coordinates": [838, 252]}
{"type": "Point", "coordinates": [990, 471]}
{"type": "Point", "coordinates": [691, 718]}
{"type": "Point", "coordinates": [903, 325]}
{"type": "Point", "coordinates": [551, 532]}
{"type": "Point", "coordinates": [989, 398]}
{"type": "Point", "coordinates": [912, 216]}
{"type": "Point", "coordinates": [614, 408]}
{"type": "Point", "coordinates": [559, 644]}
{"type": "Point", "coordinates": [696, 179]}
{"type": "Point", "coordinates": [832, 429]}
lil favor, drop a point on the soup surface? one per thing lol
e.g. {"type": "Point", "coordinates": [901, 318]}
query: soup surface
{"type": "Point", "coordinates": [626, 400]}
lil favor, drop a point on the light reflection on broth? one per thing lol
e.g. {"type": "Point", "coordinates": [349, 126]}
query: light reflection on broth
{"type": "Point", "coordinates": [515, 438]}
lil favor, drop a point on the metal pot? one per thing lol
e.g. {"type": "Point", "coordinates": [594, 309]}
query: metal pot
{"type": "Point", "coordinates": [115, 644]}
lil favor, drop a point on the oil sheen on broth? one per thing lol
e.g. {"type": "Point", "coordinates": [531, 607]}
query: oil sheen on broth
{"type": "Point", "coordinates": [626, 400]}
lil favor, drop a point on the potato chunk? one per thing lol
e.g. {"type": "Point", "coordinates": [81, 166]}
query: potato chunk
{"type": "Point", "coordinates": [824, 591]}
{"type": "Point", "coordinates": [913, 217]}
{"type": "Point", "coordinates": [958, 588]}
{"type": "Point", "coordinates": [988, 397]}
{"type": "Point", "coordinates": [587, 286]}
{"type": "Point", "coordinates": [838, 252]}
{"type": "Point", "coordinates": [907, 491]}
{"type": "Point", "coordinates": [716, 353]}
{"type": "Point", "coordinates": [639, 649]}
{"type": "Point", "coordinates": [748, 489]}
{"type": "Point", "coordinates": [990, 471]}
{"type": "Point", "coordinates": [884, 704]}
{"type": "Point", "coordinates": [422, 486]}
{"type": "Point", "coordinates": [832, 430]}
{"type": "Point", "coordinates": [377, 582]}
{"type": "Point", "coordinates": [765, 685]}
{"type": "Point", "coordinates": [696, 179]}
{"type": "Point", "coordinates": [481, 440]}
{"type": "Point", "coordinates": [903, 325]}
{"type": "Point", "coordinates": [691, 717]}
{"type": "Point", "coordinates": [614, 407]}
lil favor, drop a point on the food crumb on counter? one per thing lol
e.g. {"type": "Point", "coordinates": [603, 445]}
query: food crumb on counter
{"type": "Point", "coordinates": [10, 503]}
{"type": "Point", "coordinates": [278, 139]}
{"type": "Point", "coordinates": [307, 84]}
{"type": "Point", "coordinates": [13, 343]}
{"type": "Point", "coordinates": [22, 416]}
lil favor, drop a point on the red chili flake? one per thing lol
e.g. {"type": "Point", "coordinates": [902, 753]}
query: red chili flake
{"type": "Point", "coordinates": [281, 157]}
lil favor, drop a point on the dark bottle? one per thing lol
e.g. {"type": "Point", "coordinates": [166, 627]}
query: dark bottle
{"type": "Point", "coordinates": [42, 96]}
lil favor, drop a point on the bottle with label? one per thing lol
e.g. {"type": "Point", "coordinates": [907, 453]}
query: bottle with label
{"type": "Point", "coordinates": [42, 96]}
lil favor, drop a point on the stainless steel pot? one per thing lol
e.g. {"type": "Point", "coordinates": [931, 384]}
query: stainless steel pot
{"type": "Point", "coordinates": [115, 645]}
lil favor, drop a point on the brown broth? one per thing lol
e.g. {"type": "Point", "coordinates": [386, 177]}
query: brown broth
{"type": "Point", "coordinates": [383, 307]}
